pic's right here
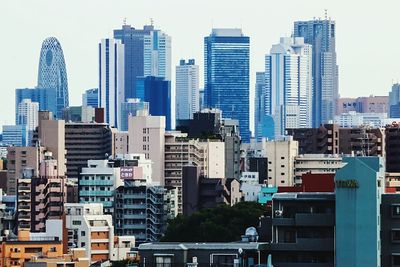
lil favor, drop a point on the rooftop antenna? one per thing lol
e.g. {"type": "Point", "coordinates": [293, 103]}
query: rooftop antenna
{"type": "Point", "coordinates": [326, 14]}
{"type": "Point", "coordinates": [151, 21]}
{"type": "Point", "coordinates": [124, 21]}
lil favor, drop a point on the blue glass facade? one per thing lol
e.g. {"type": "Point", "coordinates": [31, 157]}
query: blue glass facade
{"type": "Point", "coordinates": [157, 92]}
{"type": "Point", "coordinates": [133, 40]}
{"type": "Point", "coordinates": [15, 135]}
{"type": "Point", "coordinates": [53, 72]}
{"type": "Point", "coordinates": [91, 98]}
{"type": "Point", "coordinates": [226, 74]}
{"type": "Point", "coordinates": [321, 35]}
{"type": "Point", "coordinates": [130, 108]}
{"type": "Point", "coordinates": [45, 97]}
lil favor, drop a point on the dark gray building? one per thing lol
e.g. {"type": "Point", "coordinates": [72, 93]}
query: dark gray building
{"type": "Point", "coordinates": [83, 142]}
{"type": "Point", "coordinates": [390, 230]}
{"type": "Point", "coordinates": [303, 229]}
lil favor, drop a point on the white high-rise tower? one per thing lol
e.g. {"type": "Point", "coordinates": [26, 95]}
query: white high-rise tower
{"type": "Point", "coordinates": [187, 89]}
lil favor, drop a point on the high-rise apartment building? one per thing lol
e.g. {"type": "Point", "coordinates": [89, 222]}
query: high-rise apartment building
{"type": "Point", "coordinates": [147, 53]}
{"type": "Point", "coordinates": [263, 123]}
{"type": "Point", "coordinates": [226, 75]}
{"type": "Point", "coordinates": [364, 104]}
{"type": "Point", "coordinates": [53, 72]}
{"type": "Point", "coordinates": [288, 85]}
{"type": "Point", "coordinates": [28, 114]}
{"type": "Point", "coordinates": [91, 98]}
{"type": "Point", "coordinates": [321, 34]}
{"type": "Point", "coordinates": [111, 79]}
{"type": "Point", "coordinates": [187, 89]}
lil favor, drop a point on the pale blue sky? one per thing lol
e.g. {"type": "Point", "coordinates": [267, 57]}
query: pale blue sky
{"type": "Point", "coordinates": [367, 36]}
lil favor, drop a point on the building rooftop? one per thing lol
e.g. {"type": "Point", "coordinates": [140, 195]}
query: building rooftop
{"type": "Point", "coordinates": [304, 196]}
{"type": "Point", "coordinates": [205, 246]}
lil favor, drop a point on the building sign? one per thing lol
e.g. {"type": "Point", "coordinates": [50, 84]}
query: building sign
{"type": "Point", "coordinates": [346, 184]}
{"type": "Point", "coordinates": [126, 173]}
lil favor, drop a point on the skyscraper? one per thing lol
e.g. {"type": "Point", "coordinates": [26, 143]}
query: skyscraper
{"type": "Point", "coordinates": [394, 101]}
{"type": "Point", "coordinates": [321, 34]}
{"type": "Point", "coordinates": [157, 92]}
{"type": "Point", "coordinates": [187, 89]}
{"type": "Point", "coordinates": [147, 53]}
{"type": "Point", "coordinates": [111, 80]}
{"type": "Point", "coordinates": [226, 75]}
{"type": "Point", "coordinates": [129, 108]}
{"type": "Point", "coordinates": [288, 84]}
{"type": "Point", "coordinates": [45, 97]}
{"type": "Point", "coordinates": [91, 98]}
{"type": "Point", "coordinates": [27, 115]}
{"type": "Point", "coordinates": [53, 73]}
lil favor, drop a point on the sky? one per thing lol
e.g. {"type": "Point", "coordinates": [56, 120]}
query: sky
{"type": "Point", "coordinates": [367, 37]}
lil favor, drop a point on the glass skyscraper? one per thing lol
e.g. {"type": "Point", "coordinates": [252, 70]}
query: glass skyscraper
{"type": "Point", "coordinates": [226, 75]}
{"type": "Point", "coordinates": [147, 53]}
{"type": "Point", "coordinates": [321, 34]}
{"type": "Point", "coordinates": [187, 89]}
{"type": "Point", "coordinates": [53, 73]}
{"type": "Point", "coordinates": [45, 97]}
{"type": "Point", "coordinates": [157, 92]}
{"type": "Point", "coordinates": [129, 108]}
{"type": "Point", "coordinates": [91, 98]}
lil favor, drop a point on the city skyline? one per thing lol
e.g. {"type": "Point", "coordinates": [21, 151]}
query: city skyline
{"type": "Point", "coordinates": [81, 60]}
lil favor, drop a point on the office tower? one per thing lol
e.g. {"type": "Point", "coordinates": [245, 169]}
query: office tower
{"type": "Point", "coordinates": [226, 75]}
{"type": "Point", "coordinates": [45, 97]}
{"type": "Point", "coordinates": [91, 98]}
{"type": "Point", "coordinates": [394, 101]}
{"type": "Point", "coordinates": [129, 108]}
{"type": "Point", "coordinates": [111, 80]}
{"type": "Point", "coordinates": [359, 187]}
{"type": "Point", "coordinates": [364, 104]}
{"type": "Point", "coordinates": [28, 112]}
{"type": "Point", "coordinates": [83, 142]}
{"type": "Point", "coordinates": [288, 85]}
{"type": "Point", "coordinates": [53, 73]}
{"type": "Point", "coordinates": [201, 99]}
{"type": "Point", "coordinates": [147, 53]}
{"type": "Point", "coordinates": [353, 119]}
{"type": "Point", "coordinates": [15, 135]}
{"type": "Point", "coordinates": [321, 34]}
{"type": "Point", "coordinates": [146, 136]}
{"type": "Point", "coordinates": [157, 92]}
{"type": "Point", "coordinates": [187, 89]}
{"type": "Point", "coordinates": [263, 123]}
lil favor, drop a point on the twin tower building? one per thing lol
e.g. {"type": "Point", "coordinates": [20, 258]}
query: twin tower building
{"type": "Point", "coordinates": [298, 88]}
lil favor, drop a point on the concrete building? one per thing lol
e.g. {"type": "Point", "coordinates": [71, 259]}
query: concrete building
{"type": "Point", "coordinates": [281, 156]}
{"type": "Point", "coordinates": [97, 184]}
{"type": "Point", "coordinates": [18, 159]}
{"type": "Point", "coordinates": [362, 141]}
{"type": "Point", "coordinates": [359, 186]}
{"type": "Point", "coordinates": [141, 210]}
{"type": "Point", "coordinates": [390, 233]}
{"type": "Point", "coordinates": [303, 229]}
{"type": "Point", "coordinates": [364, 104]}
{"type": "Point", "coordinates": [187, 89]}
{"type": "Point", "coordinates": [76, 258]}
{"type": "Point", "coordinates": [392, 147]}
{"type": "Point", "coordinates": [15, 251]}
{"type": "Point", "coordinates": [83, 142]}
{"type": "Point", "coordinates": [146, 136]}
{"type": "Point", "coordinates": [322, 140]}
{"type": "Point", "coordinates": [120, 142]}
{"type": "Point", "coordinates": [316, 163]}
{"type": "Point", "coordinates": [89, 228]}
{"type": "Point", "coordinates": [249, 186]}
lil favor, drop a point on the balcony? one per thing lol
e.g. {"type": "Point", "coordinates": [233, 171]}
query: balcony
{"type": "Point", "coordinates": [94, 193]}
{"type": "Point", "coordinates": [306, 244]}
{"type": "Point", "coordinates": [96, 182]}
{"type": "Point", "coordinates": [16, 255]}
{"type": "Point", "coordinates": [315, 219]}
{"type": "Point", "coordinates": [134, 216]}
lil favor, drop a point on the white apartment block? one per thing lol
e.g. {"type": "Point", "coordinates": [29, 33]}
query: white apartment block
{"type": "Point", "coordinates": [89, 228]}
{"type": "Point", "coordinates": [316, 163]}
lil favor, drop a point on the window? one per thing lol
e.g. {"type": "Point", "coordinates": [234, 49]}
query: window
{"type": "Point", "coordinates": [83, 244]}
{"type": "Point", "coordinates": [282, 157]}
{"type": "Point", "coordinates": [395, 211]}
{"type": "Point", "coordinates": [396, 236]}
{"type": "Point", "coordinates": [83, 233]}
{"type": "Point", "coordinates": [76, 222]}
{"type": "Point", "coordinates": [144, 130]}
{"type": "Point", "coordinates": [395, 260]}
{"type": "Point", "coordinates": [163, 261]}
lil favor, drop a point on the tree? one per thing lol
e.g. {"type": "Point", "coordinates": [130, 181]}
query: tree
{"type": "Point", "coordinates": [221, 224]}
